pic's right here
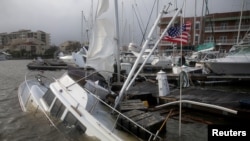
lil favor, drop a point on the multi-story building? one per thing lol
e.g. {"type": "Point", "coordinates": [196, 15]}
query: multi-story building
{"type": "Point", "coordinates": [35, 42]}
{"type": "Point", "coordinates": [223, 29]}
{"type": "Point", "coordinates": [70, 46]}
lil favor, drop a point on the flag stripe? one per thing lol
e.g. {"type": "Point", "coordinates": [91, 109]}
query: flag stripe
{"type": "Point", "coordinates": [178, 34]}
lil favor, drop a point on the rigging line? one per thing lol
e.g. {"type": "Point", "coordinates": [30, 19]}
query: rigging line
{"type": "Point", "coordinates": [143, 35]}
{"type": "Point", "coordinates": [210, 21]}
{"type": "Point", "coordinates": [87, 25]}
{"type": "Point", "coordinates": [140, 17]}
{"type": "Point", "coordinates": [137, 19]}
{"type": "Point", "coordinates": [95, 72]}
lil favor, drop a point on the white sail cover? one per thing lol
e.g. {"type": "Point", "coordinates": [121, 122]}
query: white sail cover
{"type": "Point", "coordinates": [101, 53]}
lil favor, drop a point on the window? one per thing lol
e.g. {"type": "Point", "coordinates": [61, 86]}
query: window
{"type": "Point", "coordinates": [48, 97]}
{"type": "Point", "coordinates": [223, 39]}
{"type": "Point", "coordinates": [57, 109]}
{"type": "Point", "coordinates": [223, 25]}
{"type": "Point", "coordinates": [234, 39]}
{"type": "Point", "coordinates": [197, 25]}
{"type": "Point", "coordinates": [70, 120]}
{"type": "Point", "coordinates": [210, 39]}
{"type": "Point", "coordinates": [197, 37]}
{"type": "Point", "coordinates": [210, 26]}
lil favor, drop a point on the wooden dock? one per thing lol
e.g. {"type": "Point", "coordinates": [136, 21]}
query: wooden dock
{"type": "Point", "coordinates": [227, 99]}
{"type": "Point", "coordinates": [201, 77]}
{"type": "Point", "coordinates": [148, 120]}
{"type": "Point", "coordinates": [222, 97]}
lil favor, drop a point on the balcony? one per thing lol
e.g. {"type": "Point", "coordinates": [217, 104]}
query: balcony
{"type": "Point", "coordinates": [223, 42]}
{"type": "Point", "coordinates": [226, 28]}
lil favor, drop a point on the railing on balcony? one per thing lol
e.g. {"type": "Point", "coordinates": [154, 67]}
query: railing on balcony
{"type": "Point", "coordinates": [223, 42]}
{"type": "Point", "coordinates": [226, 28]}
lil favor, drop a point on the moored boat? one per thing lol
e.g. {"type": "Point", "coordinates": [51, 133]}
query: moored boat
{"type": "Point", "coordinates": [47, 64]}
{"type": "Point", "coordinates": [235, 63]}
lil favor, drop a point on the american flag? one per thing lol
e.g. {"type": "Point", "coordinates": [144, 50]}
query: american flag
{"type": "Point", "coordinates": [178, 34]}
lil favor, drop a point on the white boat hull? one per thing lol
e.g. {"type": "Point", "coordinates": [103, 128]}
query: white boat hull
{"type": "Point", "coordinates": [92, 116]}
{"type": "Point", "coordinates": [230, 68]}
{"type": "Point", "coordinates": [29, 94]}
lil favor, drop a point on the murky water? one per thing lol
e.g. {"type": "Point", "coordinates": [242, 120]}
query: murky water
{"type": "Point", "coordinates": [16, 125]}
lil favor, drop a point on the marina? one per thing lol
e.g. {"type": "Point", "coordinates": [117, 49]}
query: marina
{"type": "Point", "coordinates": [178, 84]}
{"type": "Point", "coordinates": [145, 104]}
{"type": "Point", "coordinates": [191, 119]}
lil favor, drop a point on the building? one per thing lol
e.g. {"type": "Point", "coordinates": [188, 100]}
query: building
{"type": "Point", "coordinates": [70, 46]}
{"type": "Point", "coordinates": [224, 29]}
{"type": "Point", "coordinates": [219, 28]}
{"type": "Point", "coordinates": [25, 40]}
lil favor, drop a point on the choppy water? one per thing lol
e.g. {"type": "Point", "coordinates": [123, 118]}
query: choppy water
{"type": "Point", "coordinates": [16, 125]}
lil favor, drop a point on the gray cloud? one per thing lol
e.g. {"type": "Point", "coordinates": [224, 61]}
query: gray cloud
{"type": "Point", "coordinates": [62, 18]}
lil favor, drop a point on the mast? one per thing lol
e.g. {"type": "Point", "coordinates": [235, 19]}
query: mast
{"type": "Point", "coordinates": [117, 41]}
{"type": "Point", "coordinates": [82, 29]}
{"type": "Point", "coordinates": [131, 73]}
{"type": "Point", "coordinates": [238, 36]}
{"type": "Point", "coordinates": [201, 23]}
{"type": "Point", "coordinates": [194, 32]}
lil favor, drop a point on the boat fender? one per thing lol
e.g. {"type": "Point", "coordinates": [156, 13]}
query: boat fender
{"type": "Point", "coordinates": [184, 79]}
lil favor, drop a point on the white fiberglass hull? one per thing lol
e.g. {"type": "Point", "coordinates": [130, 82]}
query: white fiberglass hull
{"type": "Point", "coordinates": [29, 94]}
{"type": "Point", "coordinates": [230, 68]}
{"type": "Point", "coordinates": [88, 110]}
{"type": "Point", "coordinates": [76, 105]}
{"type": "Point", "coordinates": [237, 62]}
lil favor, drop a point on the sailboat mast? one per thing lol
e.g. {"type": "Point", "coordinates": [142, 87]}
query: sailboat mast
{"type": "Point", "coordinates": [82, 29]}
{"type": "Point", "coordinates": [243, 2]}
{"type": "Point", "coordinates": [131, 73]}
{"type": "Point", "coordinates": [117, 41]}
{"type": "Point", "coordinates": [194, 32]}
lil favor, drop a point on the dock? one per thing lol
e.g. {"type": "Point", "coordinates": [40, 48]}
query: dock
{"type": "Point", "coordinates": [47, 64]}
{"type": "Point", "coordinates": [237, 100]}
{"type": "Point", "coordinates": [227, 99]}
{"type": "Point", "coordinates": [148, 120]}
{"type": "Point", "coordinates": [201, 77]}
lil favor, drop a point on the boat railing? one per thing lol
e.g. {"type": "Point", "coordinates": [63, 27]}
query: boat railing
{"type": "Point", "coordinates": [29, 94]}
{"type": "Point", "coordinates": [112, 110]}
{"type": "Point", "coordinates": [26, 99]}
{"type": "Point", "coordinates": [119, 115]}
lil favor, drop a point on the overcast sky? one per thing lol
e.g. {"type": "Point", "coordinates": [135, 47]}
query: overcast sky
{"type": "Point", "coordinates": [62, 18]}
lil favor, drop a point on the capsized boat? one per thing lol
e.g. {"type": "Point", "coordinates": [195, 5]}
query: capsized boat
{"type": "Point", "coordinates": [79, 104]}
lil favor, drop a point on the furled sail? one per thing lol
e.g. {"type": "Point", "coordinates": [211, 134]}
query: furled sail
{"type": "Point", "coordinates": [101, 53]}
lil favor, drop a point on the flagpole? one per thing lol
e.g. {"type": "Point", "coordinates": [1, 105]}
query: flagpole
{"type": "Point", "coordinates": [181, 79]}
{"type": "Point", "coordinates": [117, 42]}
